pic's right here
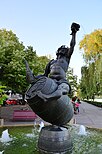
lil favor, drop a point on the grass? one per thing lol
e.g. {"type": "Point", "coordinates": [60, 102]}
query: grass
{"type": "Point", "coordinates": [23, 144]}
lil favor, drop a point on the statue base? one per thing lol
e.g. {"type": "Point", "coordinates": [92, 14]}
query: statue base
{"type": "Point", "coordinates": [54, 140]}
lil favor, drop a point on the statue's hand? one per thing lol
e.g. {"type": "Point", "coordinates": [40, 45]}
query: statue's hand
{"type": "Point", "coordinates": [74, 28]}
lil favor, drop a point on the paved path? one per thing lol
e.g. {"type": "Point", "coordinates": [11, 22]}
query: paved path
{"type": "Point", "coordinates": [89, 115]}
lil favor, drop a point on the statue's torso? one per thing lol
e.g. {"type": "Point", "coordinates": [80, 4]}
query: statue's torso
{"type": "Point", "coordinates": [58, 69]}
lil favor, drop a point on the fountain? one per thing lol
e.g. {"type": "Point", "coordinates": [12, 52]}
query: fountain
{"type": "Point", "coordinates": [82, 130]}
{"type": "Point", "coordinates": [41, 126]}
{"type": "Point", "coordinates": [25, 139]}
{"type": "Point", "coordinates": [5, 137]}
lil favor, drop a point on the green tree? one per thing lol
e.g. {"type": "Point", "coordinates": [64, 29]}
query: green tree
{"type": "Point", "coordinates": [11, 56]}
{"type": "Point", "coordinates": [92, 45]}
{"type": "Point", "coordinates": [91, 82]}
{"type": "Point", "coordinates": [72, 79]}
{"type": "Point", "coordinates": [3, 96]}
{"type": "Point", "coordinates": [12, 66]}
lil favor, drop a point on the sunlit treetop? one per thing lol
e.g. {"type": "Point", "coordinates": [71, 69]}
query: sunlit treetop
{"type": "Point", "coordinates": [92, 45]}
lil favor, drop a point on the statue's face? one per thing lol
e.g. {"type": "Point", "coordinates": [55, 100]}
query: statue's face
{"type": "Point", "coordinates": [62, 53]}
{"type": "Point", "coordinates": [59, 56]}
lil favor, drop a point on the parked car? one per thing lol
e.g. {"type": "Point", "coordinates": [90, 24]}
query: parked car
{"type": "Point", "coordinates": [11, 102]}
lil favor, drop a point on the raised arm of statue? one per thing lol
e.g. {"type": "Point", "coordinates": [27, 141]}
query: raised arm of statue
{"type": "Point", "coordinates": [74, 28]}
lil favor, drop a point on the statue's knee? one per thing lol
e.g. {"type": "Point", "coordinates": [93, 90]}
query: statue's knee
{"type": "Point", "coordinates": [64, 86]}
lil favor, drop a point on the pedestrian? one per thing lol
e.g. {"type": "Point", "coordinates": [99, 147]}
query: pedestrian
{"type": "Point", "coordinates": [73, 102]}
{"type": "Point", "coordinates": [77, 104]}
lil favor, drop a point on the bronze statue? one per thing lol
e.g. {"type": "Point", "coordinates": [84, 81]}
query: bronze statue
{"type": "Point", "coordinates": [47, 95]}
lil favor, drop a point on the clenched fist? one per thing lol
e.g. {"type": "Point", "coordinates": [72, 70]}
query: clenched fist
{"type": "Point", "coordinates": [74, 28]}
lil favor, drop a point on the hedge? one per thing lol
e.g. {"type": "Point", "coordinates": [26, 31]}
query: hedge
{"type": "Point", "coordinates": [98, 104]}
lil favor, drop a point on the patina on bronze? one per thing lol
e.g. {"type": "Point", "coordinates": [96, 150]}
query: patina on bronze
{"type": "Point", "coordinates": [48, 93]}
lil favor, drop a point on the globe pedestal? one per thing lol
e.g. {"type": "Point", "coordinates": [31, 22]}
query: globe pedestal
{"type": "Point", "coordinates": [57, 111]}
{"type": "Point", "coordinates": [54, 140]}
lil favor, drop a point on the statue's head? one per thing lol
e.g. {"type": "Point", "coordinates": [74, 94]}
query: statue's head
{"type": "Point", "coordinates": [62, 51]}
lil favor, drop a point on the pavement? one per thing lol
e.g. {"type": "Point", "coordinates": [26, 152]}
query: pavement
{"type": "Point", "coordinates": [89, 116]}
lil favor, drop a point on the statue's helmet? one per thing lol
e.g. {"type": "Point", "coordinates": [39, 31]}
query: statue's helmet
{"type": "Point", "coordinates": [63, 50]}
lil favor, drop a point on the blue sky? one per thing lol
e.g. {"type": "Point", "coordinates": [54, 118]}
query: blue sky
{"type": "Point", "coordinates": [45, 24]}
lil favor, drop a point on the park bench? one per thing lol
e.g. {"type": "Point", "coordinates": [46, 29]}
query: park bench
{"type": "Point", "coordinates": [24, 115]}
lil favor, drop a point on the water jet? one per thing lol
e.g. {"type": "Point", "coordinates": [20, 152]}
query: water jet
{"type": "Point", "coordinates": [5, 137]}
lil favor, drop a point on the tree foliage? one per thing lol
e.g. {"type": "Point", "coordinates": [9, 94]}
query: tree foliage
{"type": "Point", "coordinates": [92, 45]}
{"type": "Point", "coordinates": [72, 79]}
{"type": "Point", "coordinates": [91, 81]}
{"type": "Point", "coordinates": [12, 66]}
